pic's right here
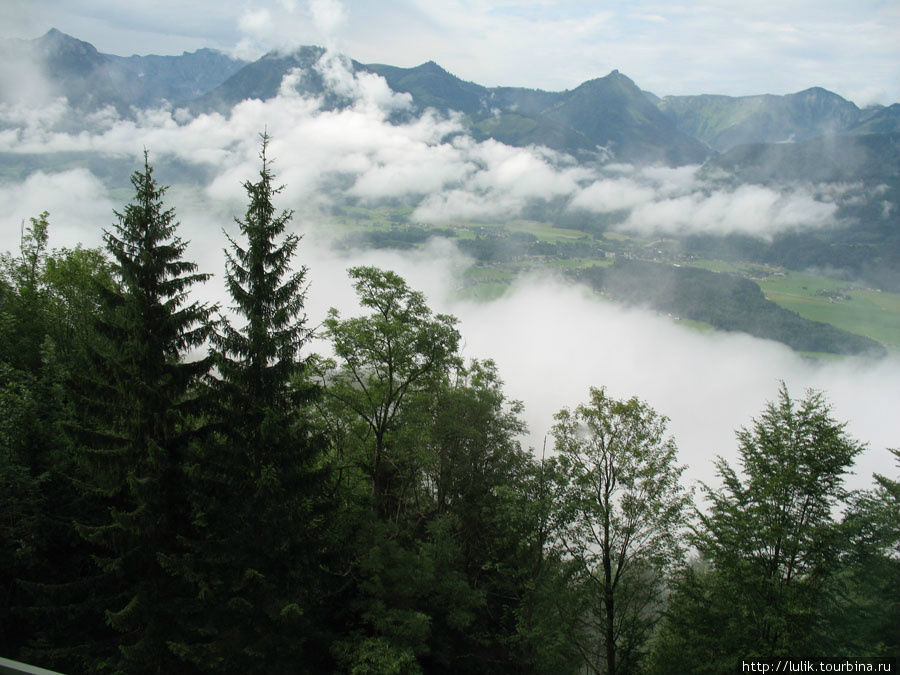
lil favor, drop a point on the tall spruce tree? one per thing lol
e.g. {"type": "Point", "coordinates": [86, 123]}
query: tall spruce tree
{"type": "Point", "coordinates": [260, 362]}
{"type": "Point", "coordinates": [134, 427]}
{"type": "Point", "coordinates": [259, 482]}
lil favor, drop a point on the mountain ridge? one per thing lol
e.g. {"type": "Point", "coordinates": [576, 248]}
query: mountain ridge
{"type": "Point", "coordinates": [92, 80]}
{"type": "Point", "coordinates": [725, 122]}
{"type": "Point", "coordinates": [604, 118]}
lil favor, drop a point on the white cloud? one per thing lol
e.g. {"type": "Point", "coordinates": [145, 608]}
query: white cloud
{"type": "Point", "coordinates": [76, 200]}
{"type": "Point", "coordinates": [525, 173]}
{"type": "Point", "coordinates": [464, 205]}
{"type": "Point", "coordinates": [257, 22]}
{"type": "Point", "coordinates": [747, 209]}
{"type": "Point", "coordinates": [605, 196]}
{"type": "Point", "coordinates": [328, 15]}
{"type": "Point", "coordinates": [662, 200]}
{"type": "Point", "coordinates": [365, 88]}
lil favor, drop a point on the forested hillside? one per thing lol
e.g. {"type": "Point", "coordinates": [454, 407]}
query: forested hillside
{"type": "Point", "coordinates": [186, 488]}
{"type": "Point", "coordinates": [726, 302]}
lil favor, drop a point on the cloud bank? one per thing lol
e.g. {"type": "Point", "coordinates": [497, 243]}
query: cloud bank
{"type": "Point", "coordinates": [553, 340]}
{"type": "Point", "coordinates": [361, 154]}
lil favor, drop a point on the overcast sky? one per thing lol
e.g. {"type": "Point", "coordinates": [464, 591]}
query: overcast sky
{"type": "Point", "coordinates": [729, 47]}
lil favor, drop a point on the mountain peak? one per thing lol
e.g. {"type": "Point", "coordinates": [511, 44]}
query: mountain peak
{"type": "Point", "coordinates": [431, 67]}
{"type": "Point", "coordinates": [302, 53]}
{"type": "Point", "coordinates": [818, 92]}
{"type": "Point", "coordinates": [616, 76]}
{"type": "Point", "coordinates": [614, 79]}
{"type": "Point", "coordinates": [57, 37]}
{"type": "Point", "coordinates": [56, 34]}
{"type": "Point", "coordinates": [66, 51]}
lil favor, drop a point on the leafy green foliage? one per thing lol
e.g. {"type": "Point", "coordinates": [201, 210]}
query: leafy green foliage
{"type": "Point", "coordinates": [620, 516]}
{"type": "Point", "coordinates": [46, 568]}
{"type": "Point", "coordinates": [865, 607]}
{"type": "Point", "coordinates": [771, 540]}
{"type": "Point", "coordinates": [388, 358]}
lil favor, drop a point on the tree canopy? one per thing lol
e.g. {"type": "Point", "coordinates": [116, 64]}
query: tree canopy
{"type": "Point", "coordinates": [183, 493]}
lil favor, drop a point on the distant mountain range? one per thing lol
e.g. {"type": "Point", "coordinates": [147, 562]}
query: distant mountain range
{"type": "Point", "coordinates": [723, 122]}
{"type": "Point", "coordinates": [91, 80]}
{"type": "Point", "coordinates": [607, 117]}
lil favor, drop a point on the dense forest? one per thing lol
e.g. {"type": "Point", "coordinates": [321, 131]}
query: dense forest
{"type": "Point", "coordinates": [185, 489]}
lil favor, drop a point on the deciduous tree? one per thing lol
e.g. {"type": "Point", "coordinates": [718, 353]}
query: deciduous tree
{"type": "Point", "coordinates": [386, 359]}
{"type": "Point", "coordinates": [770, 542]}
{"type": "Point", "coordinates": [620, 518]}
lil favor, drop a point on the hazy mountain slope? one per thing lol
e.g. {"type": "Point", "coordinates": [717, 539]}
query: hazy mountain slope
{"type": "Point", "coordinates": [262, 78]}
{"type": "Point", "coordinates": [57, 64]}
{"type": "Point", "coordinates": [879, 120]}
{"type": "Point", "coordinates": [609, 113]}
{"type": "Point", "coordinates": [433, 87]}
{"type": "Point", "coordinates": [724, 122]}
{"type": "Point", "coordinates": [846, 157]}
{"type": "Point", "coordinates": [616, 114]}
{"type": "Point", "coordinates": [149, 79]}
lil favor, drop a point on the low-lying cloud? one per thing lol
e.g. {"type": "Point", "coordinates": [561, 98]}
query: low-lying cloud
{"type": "Point", "coordinates": [76, 200]}
{"type": "Point", "coordinates": [747, 209]}
{"type": "Point", "coordinates": [362, 153]}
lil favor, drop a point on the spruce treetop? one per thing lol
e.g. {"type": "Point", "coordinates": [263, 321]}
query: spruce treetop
{"type": "Point", "coordinates": [259, 279]}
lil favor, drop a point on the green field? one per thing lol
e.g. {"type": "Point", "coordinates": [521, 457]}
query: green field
{"type": "Point", "coordinates": [868, 312]}
{"type": "Point", "coordinates": [545, 231]}
{"type": "Point", "coordinates": [853, 308]}
{"type": "Point", "coordinates": [486, 283]}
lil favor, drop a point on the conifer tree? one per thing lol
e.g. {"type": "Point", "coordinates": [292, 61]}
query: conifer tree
{"type": "Point", "coordinates": [259, 482]}
{"type": "Point", "coordinates": [259, 362]}
{"type": "Point", "coordinates": [134, 427]}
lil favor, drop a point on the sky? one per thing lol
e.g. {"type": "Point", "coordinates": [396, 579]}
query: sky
{"type": "Point", "coordinates": [729, 47]}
